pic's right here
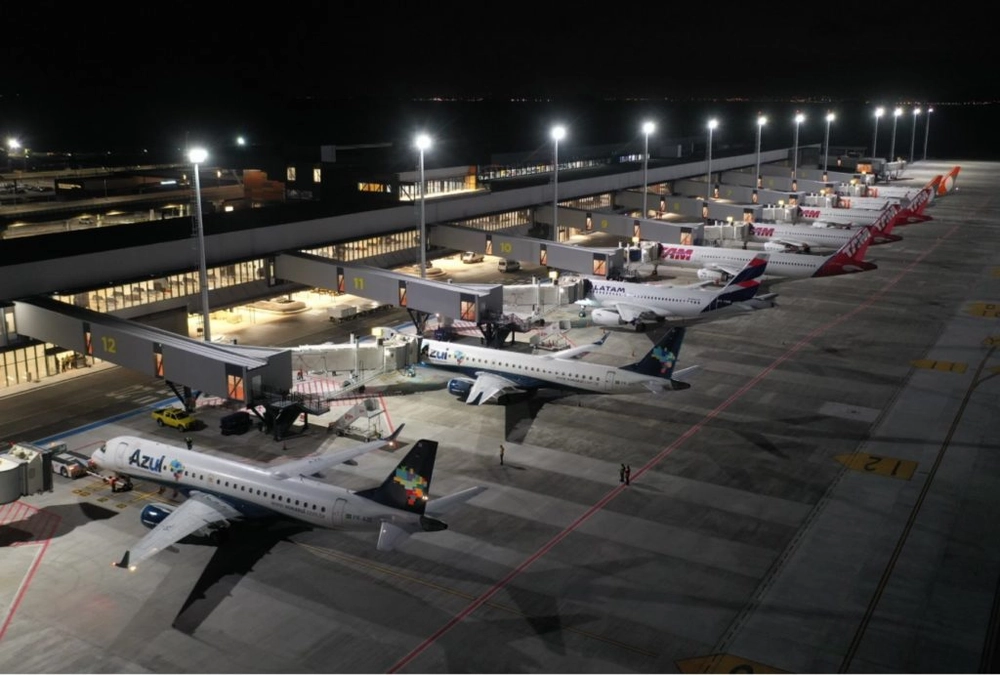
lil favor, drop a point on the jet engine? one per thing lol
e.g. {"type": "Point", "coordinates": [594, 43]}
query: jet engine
{"type": "Point", "coordinates": [715, 276]}
{"type": "Point", "coordinates": [612, 319]}
{"type": "Point", "coordinates": [460, 386]}
{"type": "Point", "coordinates": [607, 317]}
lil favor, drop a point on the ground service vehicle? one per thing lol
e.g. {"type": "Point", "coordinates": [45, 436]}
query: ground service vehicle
{"type": "Point", "coordinates": [508, 266]}
{"type": "Point", "coordinates": [472, 257]}
{"type": "Point", "coordinates": [175, 417]}
{"type": "Point", "coordinates": [69, 464]}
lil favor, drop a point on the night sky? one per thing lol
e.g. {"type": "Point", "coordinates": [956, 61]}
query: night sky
{"type": "Point", "coordinates": [86, 61]}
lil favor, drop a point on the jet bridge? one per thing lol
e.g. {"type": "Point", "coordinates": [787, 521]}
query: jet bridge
{"type": "Point", "coordinates": [625, 226]}
{"type": "Point", "coordinates": [422, 298]}
{"type": "Point", "coordinates": [244, 374]}
{"type": "Point", "coordinates": [566, 257]}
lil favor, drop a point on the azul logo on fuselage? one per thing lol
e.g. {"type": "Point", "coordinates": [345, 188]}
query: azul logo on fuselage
{"type": "Point", "coordinates": [148, 462]}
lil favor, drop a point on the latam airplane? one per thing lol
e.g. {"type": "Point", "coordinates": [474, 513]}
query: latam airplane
{"type": "Point", "coordinates": [623, 303]}
{"type": "Point", "coordinates": [806, 238]}
{"type": "Point", "coordinates": [717, 264]}
{"type": "Point", "coordinates": [220, 490]}
{"type": "Point", "coordinates": [490, 373]}
{"type": "Point", "coordinates": [911, 212]}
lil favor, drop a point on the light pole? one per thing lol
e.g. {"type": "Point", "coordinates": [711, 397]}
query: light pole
{"type": "Point", "coordinates": [558, 133]}
{"type": "Point", "coordinates": [196, 156]}
{"type": "Point", "coordinates": [761, 121]}
{"type": "Point", "coordinates": [927, 130]}
{"type": "Point", "coordinates": [423, 142]}
{"type": "Point", "coordinates": [878, 113]}
{"type": "Point", "coordinates": [826, 158]}
{"type": "Point", "coordinates": [799, 119]}
{"type": "Point", "coordinates": [647, 129]}
{"type": "Point", "coordinates": [712, 123]}
{"type": "Point", "coordinates": [892, 148]}
{"type": "Point", "coordinates": [13, 144]}
{"type": "Point", "coordinates": [913, 132]}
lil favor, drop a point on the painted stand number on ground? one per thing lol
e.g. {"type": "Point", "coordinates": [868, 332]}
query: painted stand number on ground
{"type": "Point", "coordinates": [883, 466]}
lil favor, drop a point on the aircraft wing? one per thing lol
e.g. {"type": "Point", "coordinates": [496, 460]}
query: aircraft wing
{"type": "Point", "coordinates": [575, 352]}
{"type": "Point", "coordinates": [198, 511]}
{"type": "Point", "coordinates": [632, 312]}
{"type": "Point", "coordinates": [489, 385]}
{"type": "Point", "coordinates": [313, 464]}
{"type": "Point", "coordinates": [793, 245]}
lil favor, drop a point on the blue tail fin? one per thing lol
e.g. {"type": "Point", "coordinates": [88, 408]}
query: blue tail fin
{"type": "Point", "coordinates": [746, 283]}
{"type": "Point", "coordinates": [408, 486]}
{"type": "Point", "coordinates": [660, 360]}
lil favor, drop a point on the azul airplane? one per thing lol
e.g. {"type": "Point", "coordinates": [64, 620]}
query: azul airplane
{"type": "Point", "coordinates": [719, 263]}
{"type": "Point", "coordinates": [620, 303]}
{"type": "Point", "coordinates": [220, 490]}
{"type": "Point", "coordinates": [490, 373]}
{"type": "Point", "coordinates": [806, 238]}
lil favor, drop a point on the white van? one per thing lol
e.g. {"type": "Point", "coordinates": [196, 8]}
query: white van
{"type": "Point", "coordinates": [508, 265]}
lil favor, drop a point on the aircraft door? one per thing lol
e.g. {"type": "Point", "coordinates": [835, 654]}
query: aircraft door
{"type": "Point", "coordinates": [337, 517]}
{"type": "Point", "coordinates": [609, 380]}
{"type": "Point", "coordinates": [121, 454]}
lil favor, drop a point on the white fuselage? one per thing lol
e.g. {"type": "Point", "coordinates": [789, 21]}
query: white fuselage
{"type": "Point", "coordinates": [788, 265]}
{"type": "Point", "coordinates": [664, 300]}
{"type": "Point", "coordinates": [528, 370]}
{"type": "Point", "coordinates": [836, 215]}
{"type": "Point", "coordinates": [809, 235]}
{"type": "Point", "coordinates": [249, 489]}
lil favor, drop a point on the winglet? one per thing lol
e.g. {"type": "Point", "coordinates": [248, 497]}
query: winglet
{"type": "Point", "coordinates": [123, 563]}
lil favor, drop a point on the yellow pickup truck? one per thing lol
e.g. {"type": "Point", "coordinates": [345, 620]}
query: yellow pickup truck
{"type": "Point", "coordinates": [175, 417]}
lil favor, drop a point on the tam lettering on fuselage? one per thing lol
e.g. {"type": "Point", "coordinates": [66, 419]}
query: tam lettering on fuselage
{"type": "Point", "coordinates": [763, 231]}
{"type": "Point", "coordinates": [675, 253]}
{"type": "Point", "coordinates": [811, 213]}
{"type": "Point", "coordinates": [154, 464]}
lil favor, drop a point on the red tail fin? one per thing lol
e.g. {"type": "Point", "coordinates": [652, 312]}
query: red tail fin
{"type": "Point", "coordinates": [882, 227]}
{"type": "Point", "coordinates": [850, 257]}
{"type": "Point", "coordinates": [948, 183]}
{"type": "Point", "coordinates": [914, 211]}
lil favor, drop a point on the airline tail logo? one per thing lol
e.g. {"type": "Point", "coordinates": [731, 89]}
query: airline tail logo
{"type": "Point", "coordinates": [855, 248]}
{"type": "Point", "coordinates": [666, 358]}
{"type": "Point", "coordinates": [413, 483]}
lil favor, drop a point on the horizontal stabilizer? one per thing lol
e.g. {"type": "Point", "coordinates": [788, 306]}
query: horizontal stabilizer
{"type": "Point", "coordinates": [448, 502]}
{"type": "Point", "coordinates": [389, 536]}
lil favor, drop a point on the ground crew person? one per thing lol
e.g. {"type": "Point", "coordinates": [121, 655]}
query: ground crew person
{"type": "Point", "coordinates": [189, 442]}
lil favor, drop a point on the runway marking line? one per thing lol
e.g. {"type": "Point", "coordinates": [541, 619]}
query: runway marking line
{"type": "Point", "coordinates": [710, 416]}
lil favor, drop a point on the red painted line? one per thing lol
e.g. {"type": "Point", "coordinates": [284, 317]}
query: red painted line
{"type": "Point", "coordinates": [794, 349]}
{"type": "Point", "coordinates": [381, 401]}
{"type": "Point", "coordinates": [26, 582]}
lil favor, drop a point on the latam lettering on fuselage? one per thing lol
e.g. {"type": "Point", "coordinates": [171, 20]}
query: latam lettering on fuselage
{"type": "Point", "coordinates": [602, 289]}
{"type": "Point", "coordinates": [675, 253]}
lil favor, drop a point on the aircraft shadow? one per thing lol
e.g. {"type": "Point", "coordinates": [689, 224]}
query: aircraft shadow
{"type": "Point", "coordinates": [52, 521]}
{"type": "Point", "coordinates": [245, 543]}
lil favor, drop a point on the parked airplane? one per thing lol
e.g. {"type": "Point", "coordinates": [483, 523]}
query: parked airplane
{"type": "Point", "coordinates": [490, 373]}
{"type": "Point", "coordinates": [718, 264]}
{"type": "Point", "coordinates": [624, 303]}
{"type": "Point", "coordinates": [819, 236]}
{"type": "Point", "coordinates": [912, 212]}
{"type": "Point", "coordinates": [220, 490]}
